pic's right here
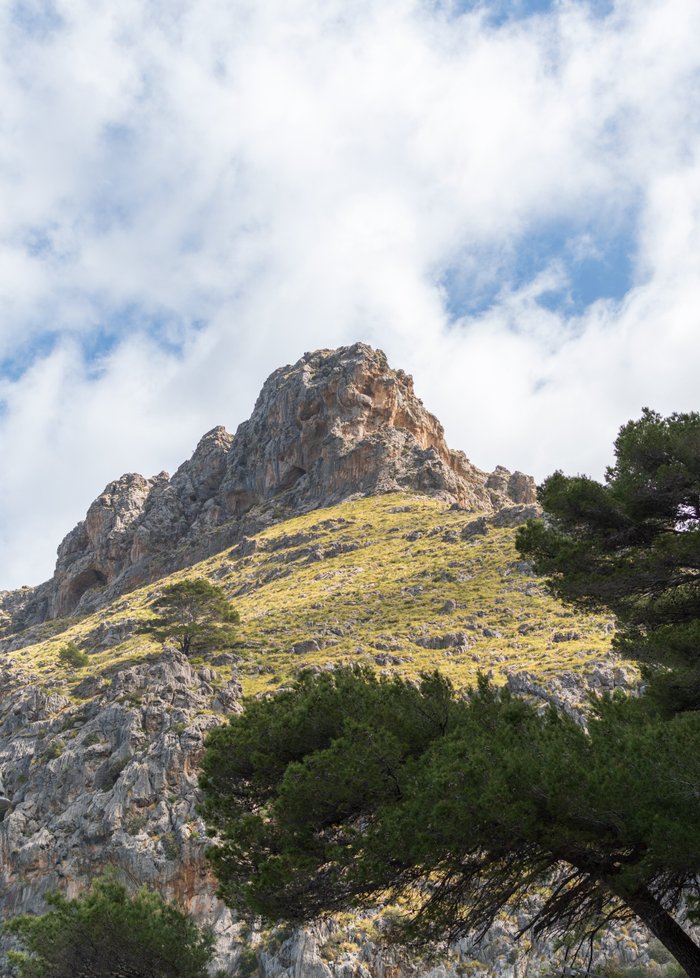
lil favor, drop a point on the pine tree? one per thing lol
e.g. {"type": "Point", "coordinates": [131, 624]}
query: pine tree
{"type": "Point", "coordinates": [631, 546]}
{"type": "Point", "coordinates": [346, 788]}
{"type": "Point", "coordinates": [108, 934]}
{"type": "Point", "coordinates": [195, 614]}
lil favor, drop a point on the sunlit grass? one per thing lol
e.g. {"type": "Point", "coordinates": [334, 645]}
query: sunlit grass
{"type": "Point", "coordinates": [350, 579]}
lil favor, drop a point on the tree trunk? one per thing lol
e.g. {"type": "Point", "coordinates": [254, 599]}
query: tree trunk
{"type": "Point", "coordinates": [665, 929]}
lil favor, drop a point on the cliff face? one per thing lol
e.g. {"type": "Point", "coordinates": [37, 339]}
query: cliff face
{"type": "Point", "coordinates": [336, 424]}
{"type": "Point", "coordinates": [108, 778]}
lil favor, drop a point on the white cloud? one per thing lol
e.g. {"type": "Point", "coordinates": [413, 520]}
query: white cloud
{"type": "Point", "coordinates": [252, 180]}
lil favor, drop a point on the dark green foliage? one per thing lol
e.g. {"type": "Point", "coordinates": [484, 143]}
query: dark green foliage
{"type": "Point", "coordinates": [107, 934]}
{"type": "Point", "coordinates": [372, 727]}
{"type": "Point", "coordinates": [632, 546]}
{"type": "Point", "coordinates": [196, 615]}
{"type": "Point", "coordinates": [347, 788]}
{"type": "Point", "coordinates": [70, 655]}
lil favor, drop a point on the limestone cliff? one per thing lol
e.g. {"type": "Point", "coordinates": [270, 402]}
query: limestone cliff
{"type": "Point", "coordinates": [108, 778]}
{"type": "Point", "coordinates": [337, 423]}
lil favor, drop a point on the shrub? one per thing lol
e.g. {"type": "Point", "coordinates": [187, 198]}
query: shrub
{"type": "Point", "coordinates": [71, 656]}
{"type": "Point", "coordinates": [107, 933]}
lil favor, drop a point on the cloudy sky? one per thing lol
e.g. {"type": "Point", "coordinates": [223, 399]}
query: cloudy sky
{"type": "Point", "coordinates": [504, 196]}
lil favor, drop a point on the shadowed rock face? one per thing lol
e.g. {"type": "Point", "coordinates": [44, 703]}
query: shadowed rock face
{"type": "Point", "coordinates": [337, 423]}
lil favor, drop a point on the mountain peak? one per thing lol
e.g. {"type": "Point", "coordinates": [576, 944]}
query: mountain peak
{"type": "Point", "coordinates": [336, 424]}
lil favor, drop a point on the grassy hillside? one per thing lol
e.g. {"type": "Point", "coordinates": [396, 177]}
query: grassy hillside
{"type": "Point", "coordinates": [398, 581]}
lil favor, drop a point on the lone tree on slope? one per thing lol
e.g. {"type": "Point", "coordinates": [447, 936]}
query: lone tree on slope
{"type": "Point", "coordinates": [195, 614]}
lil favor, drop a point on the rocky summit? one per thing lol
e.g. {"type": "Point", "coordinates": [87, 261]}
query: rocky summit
{"type": "Point", "coordinates": [336, 424]}
{"type": "Point", "coordinates": [344, 530]}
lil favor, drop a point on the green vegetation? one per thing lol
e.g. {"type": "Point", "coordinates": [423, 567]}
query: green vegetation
{"type": "Point", "coordinates": [353, 583]}
{"type": "Point", "coordinates": [345, 788]}
{"type": "Point", "coordinates": [54, 750]}
{"type": "Point", "coordinates": [633, 546]}
{"type": "Point", "coordinates": [195, 614]}
{"type": "Point", "coordinates": [457, 808]}
{"type": "Point", "coordinates": [108, 934]}
{"type": "Point", "coordinates": [70, 655]}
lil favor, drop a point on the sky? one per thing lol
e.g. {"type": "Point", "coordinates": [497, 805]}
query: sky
{"type": "Point", "coordinates": [503, 196]}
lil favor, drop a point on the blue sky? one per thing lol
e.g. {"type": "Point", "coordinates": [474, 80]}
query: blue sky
{"type": "Point", "coordinates": [588, 262]}
{"type": "Point", "coordinates": [503, 196]}
{"type": "Point", "coordinates": [498, 13]}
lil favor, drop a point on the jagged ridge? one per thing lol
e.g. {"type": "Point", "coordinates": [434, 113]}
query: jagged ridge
{"type": "Point", "coordinates": [336, 424]}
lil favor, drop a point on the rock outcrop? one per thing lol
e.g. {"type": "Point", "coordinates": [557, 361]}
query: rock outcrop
{"type": "Point", "coordinates": [109, 780]}
{"type": "Point", "coordinates": [336, 424]}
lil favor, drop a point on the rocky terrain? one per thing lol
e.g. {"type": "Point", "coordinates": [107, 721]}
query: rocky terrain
{"type": "Point", "coordinates": [334, 425]}
{"type": "Point", "coordinates": [103, 773]}
{"type": "Point", "coordinates": [344, 530]}
{"type": "Point", "coordinates": [107, 777]}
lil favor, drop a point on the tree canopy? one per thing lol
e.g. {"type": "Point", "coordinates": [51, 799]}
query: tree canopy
{"type": "Point", "coordinates": [108, 934]}
{"type": "Point", "coordinates": [348, 788]}
{"type": "Point", "coordinates": [194, 613]}
{"type": "Point", "coordinates": [71, 656]}
{"type": "Point", "coordinates": [632, 546]}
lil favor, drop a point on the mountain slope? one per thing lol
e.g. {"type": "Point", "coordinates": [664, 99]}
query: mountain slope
{"type": "Point", "coordinates": [99, 764]}
{"type": "Point", "coordinates": [400, 580]}
{"type": "Point", "coordinates": [338, 423]}
{"type": "Point", "coordinates": [344, 531]}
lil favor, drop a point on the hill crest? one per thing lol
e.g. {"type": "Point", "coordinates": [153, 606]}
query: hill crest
{"type": "Point", "coordinates": [335, 425]}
